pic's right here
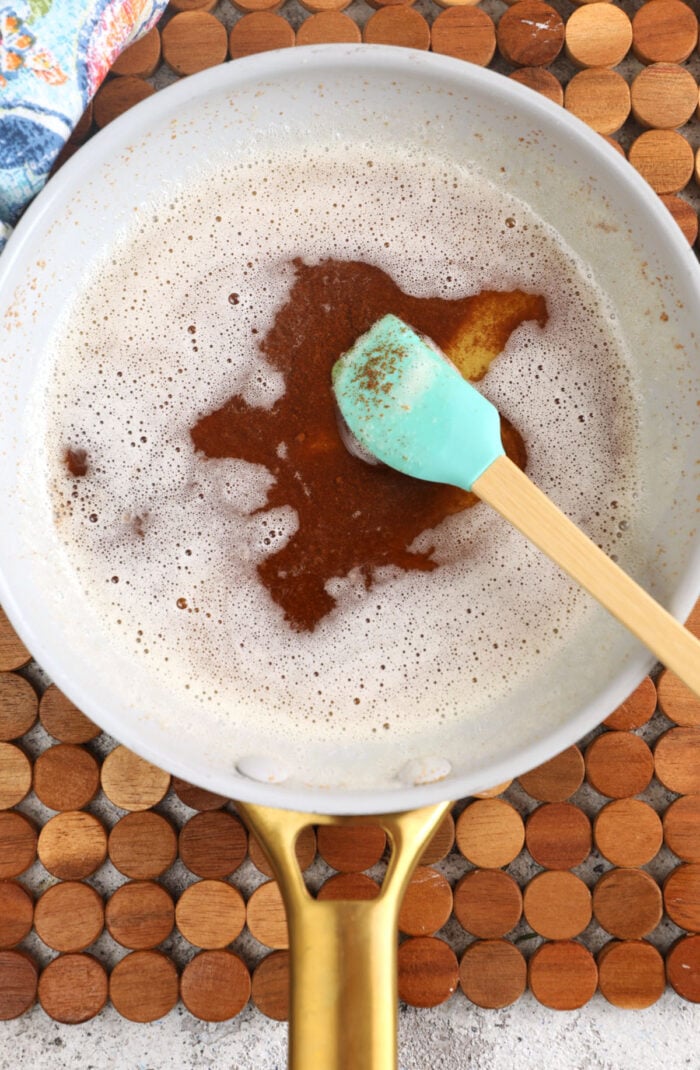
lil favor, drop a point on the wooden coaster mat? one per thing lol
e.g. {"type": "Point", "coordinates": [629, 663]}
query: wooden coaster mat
{"type": "Point", "coordinates": [119, 883]}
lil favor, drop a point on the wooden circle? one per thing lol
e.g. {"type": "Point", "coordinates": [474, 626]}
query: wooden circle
{"type": "Point", "coordinates": [73, 988]}
{"type": "Point", "coordinates": [270, 986]}
{"type": "Point", "coordinates": [72, 845]}
{"type": "Point", "coordinates": [664, 32]}
{"type": "Point", "coordinates": [63, 720]}
{"type": "Point", "coordinates": [428, 971]}
{"type": "Point", "coordinates": [598, 35]}
{"type": "Point", "coordinates": [542, 81]}
{"type": "Point", "coordinates": [142, 845]}
{"type": "Point", "coordinates": [530, 34]}
{"type": "Point", "coordinates": [677, 701]}
{"type": "Point", "coordinates": [213, 845]}
{"type": "Point", "coordinates": [247, 6]}
{"type": "Point", "coordinates": [16, 913]}
{"type": "Point", "coordinates": [682, 896]}
{"type": "Point", "coordinates": [684, 215]}
{"type": "Point", "coordinates": [490, 833]}
{"type": "Point", "coordinates": [144, 986]}
{"type": "Point", "coordinates": [348, 886]}
{"type": "Point", "coordinates": [487, 903]}
{"type": "Point", "coordinates": [635, 710]}
{"type": "Point", "coordinates": [600, 98]}
{"type": "Point", "coordinates": [351, 848]}
{"type": "Point", "coordinates": [492, 973]}
{"type": "Point", "coordinates": [328, 27]}
{"type": "Point", "coordinates": [117, 95]}
{"type": "Point", "coordinates": [210, 914]}
{"type": "Point", "coordinates": [631, 974]}
{"type": "Point", "coordinates": [15, 775]}
{"type": "Point", "coordinates": [494, 792]}
{"type": "Point", "coordinates": [628, 832]}
{"type": "Point", "coordinates": [682, 828]}
{"type": "Point", "coordinates": [267, 920]}
{"type": "Point", "coordinates": [677, 757]}
{"type": "Point", "coordinates": [17, 844]}
{"type": "Point", "coordinates": [18, 983]}
{"type": "Point", "coordinates": [321, 7]}
{"type": "Point", "coordinates": [13, 652]}
{"type": "Point", "coordinates": [441, 844]}
{"type": "Point", "coordinates": [466, 33]}
{"type": "Point", "coordinates": [305, 852]}
{"type": "Point", "coordinates": [69, 916]}
{"type": "Point", "coordinates": [427, 903]}
{"type": "Point", "coordinates": [663, 157]}
{"type": "Point", "coordinates": [557, 779]}
{"type": "Point", "coordinates": [683, 968]}
{"type": "Point", "coordinates": [259, 32]}
{"type": "Point", "coordinates": [562, 974]}
{"type": "Point", "coordinates": [557, 905]}
{"type": "Point", "coordinates": [140, 915]}
{"type": "Point", "coordinates": [197, 798]}
{"type": "Point", "coordinates": [215, 986]}
{"type": "Point", "coordinates": [558, 835]}
{"type": "Point", "coordinates": [456, 3]}
{"type": "Point", "coordinates": [398, 25]}
{"type": "Point", "coordinates": [664, 96]}
{"type": "Point", "coordinates": [131, 782]}
{"type": "Point", "coordinates": [66, 777]}
{"type": "Point", "coordinates": [141, 58]}
{"type": "Point", "coordinates": [193, 5]}
{"type": "Point", "coordinates": [619, 764]}
{"type": "Point", "coordinates": [193, 41]}
{"type": "Point", "coordinates": [18, 706]}
{"type": "Point", "coordinates": [628, 903]}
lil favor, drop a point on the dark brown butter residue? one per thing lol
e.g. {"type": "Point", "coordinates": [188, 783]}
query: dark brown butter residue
{"type": "Point", "coordinates": [351, 515]}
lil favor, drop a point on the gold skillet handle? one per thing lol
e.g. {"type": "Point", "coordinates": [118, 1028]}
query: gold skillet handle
{"type": "Point", "coordinates": [343, 953]}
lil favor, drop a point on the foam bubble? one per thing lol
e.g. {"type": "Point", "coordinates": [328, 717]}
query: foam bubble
{"type": "Point", "coordinates": [165, 543]}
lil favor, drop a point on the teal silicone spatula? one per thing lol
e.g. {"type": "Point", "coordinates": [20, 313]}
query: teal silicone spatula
{"type": "Point", "coordinates": [409, 406]}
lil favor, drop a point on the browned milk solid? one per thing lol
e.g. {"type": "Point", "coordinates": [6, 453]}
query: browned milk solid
{"type": "Point", "coordinates": [154, 524]}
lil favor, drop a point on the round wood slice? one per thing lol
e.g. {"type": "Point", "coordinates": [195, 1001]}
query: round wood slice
{"type": "Point", "coordinates": [267, 920]}
{"type": "Point", "coordinates": [487, 903]}
{"type": "Point", "coordinates": [665, 31]}
{"type": "Point", "coordinates": [466, 33]}
{"type": "Point", "coordinates": [140, 915]}
{"type": "Point", "coordinates": [215, 986]}
{"type": "Point", "coordinates": [631, 974]}
{"type": "Point", "coordinates": [557, 779]}
{"type": "Point", "coordinates": [677, 758]}
{"type": "Point", "coordinates": [320, 7]}
{"type": "Point", "coordinates": [18, 706]}
{"type": "Point", "coordinates": [684, 215]}
{"type": "Point", "coordinates": [15, 775]}
{"type": "Point", "coordinates": [13, 652]}
{"type": "Point", "coordinates": [663, 157]}
{"type": "Point", "coordinates": [63, 720]}
{"type": "Point", "coordinates": [305, 852]}
{"type": "Point", "coordinates": [210, 914]}
{"type": "Point", "coordinates": [677, 701]}
{"type": "Point", "coordinates": [664, 95]}
{"type": "Point", "coordinates": [600, 98]}
{"type": "Point", "coordinates": [619, 764]}
{"type": "Point", "coordinates": [247, 6]}
{"type": "Point", "coordinates": [682, 828]}
{"type": "Point", "coordinates": [197, 798]}
{"type": "Point", "coordinates": [683, 968]}
{"type": "Point", "coordinates": [16, 914]}
{"type": "Point", "coordinates": [428, 971]}
{"type": "Point", "coordinates": [349, 886]}
{"type": "Point", "coordinates": [131, 782]}
{"type": "Point", "coordinates": [193, 5]}
{"type": "Point", "coordinates": [351, 848]}
{"type": "Point", "coordinates": [558, 835]}
{"type": "Point", "coordinates": [117, 95]}
{"type": "Point", "coordinates": [193, 41]}
{"type": "Point", "coordinates": [427, 903]}
{"type": "Point", "coordinates": [69, 916]}
{"type": "Point", "coordinates": [628, 903]}
{"type": "Point", "coordinates": [259, 32]}
{"type": "Point", "coordinates": [270, 986]}
{"type": "Point", "coordinates": [72, 845]}
{"type": "Point", "coordinates": [490, 833]}
{"type": "Point", "coordinates": [492, 973]}
{"type": "Point", "coordinates": [562, 974]}
{"type": "Point", "coordinates": [397, 25]}
{"type": "Point", "coordinates": [557, 905]}
{"type": "Point", "coordinates": [328, 27]}
{"type": "Point", "coordinates": [141, 58]}
{"type": "Point", "coordinates": [73, 988]}
{"type": "Point", "coordinates": [142, 845]}
{"type": "Point", "coordinates": [628, 832]}
{"type": "Point", "coordinates": [542, 81]}
{"type": "Point", "coordinates": [635, 710]}
{"type": "Point", "coordinates": [682, 896]}
{"type": "Point", "coordinates": [18, 984]}
{"type": "Point", "coordinates": [213, 844]}
{"type": "Point", "coordinates": [17, 844]}
{"type": "Point", "coordinates": [144, 986]}
{"type": "Point", "coordinates": [598, 35]}
{"type": "Point", "coordinates": [494, 792]}
{"type": "Point", "coordinates": [530, 34]}
{"type": "Point", "coordinates": [66, 777]}
{"type": "Point", "coordinates": [442, 842]}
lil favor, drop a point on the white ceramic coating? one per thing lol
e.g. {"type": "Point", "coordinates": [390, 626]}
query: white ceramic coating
{"type": "Point", "coordinates": [603, 210]}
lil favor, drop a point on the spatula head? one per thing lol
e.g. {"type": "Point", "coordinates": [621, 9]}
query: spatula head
{"type": "Point", "coordinates": [410, 407]}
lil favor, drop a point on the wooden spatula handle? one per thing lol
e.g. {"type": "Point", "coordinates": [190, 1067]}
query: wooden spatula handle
{"type": "Point", "coordinates": [512, 494]}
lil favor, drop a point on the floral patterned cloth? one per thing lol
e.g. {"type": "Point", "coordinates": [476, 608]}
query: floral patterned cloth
{"type": "Point", "coordinates": [53, 56]}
